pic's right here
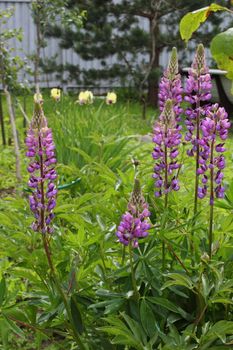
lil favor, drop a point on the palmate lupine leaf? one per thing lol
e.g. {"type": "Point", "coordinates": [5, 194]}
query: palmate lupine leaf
{"type": "Point", "coordinates": [123, 335]}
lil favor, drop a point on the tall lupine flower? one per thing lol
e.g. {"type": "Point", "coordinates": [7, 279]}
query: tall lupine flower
{"type": "Point", "coordinates": [170, 85]}
{"type": "Point", "coordinates": [215, 125]}
{"type": "Point", "coordinates": [134, 224]}
{"type": "Point", "coordinates": [167, 137]}
{"type": "Point", "coordinates": [41, 148]}
{"type": "Point", "coordinates": [198, 89]}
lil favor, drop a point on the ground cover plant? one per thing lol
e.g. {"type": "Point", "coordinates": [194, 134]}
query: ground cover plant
{"type": "Point", "coordinates": [140, 256]}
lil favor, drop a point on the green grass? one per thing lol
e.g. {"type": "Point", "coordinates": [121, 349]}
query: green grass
{"type": "Point", "coordinates": [80, 132]}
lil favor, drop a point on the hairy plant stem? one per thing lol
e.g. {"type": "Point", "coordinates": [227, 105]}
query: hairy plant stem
{"type": "Point", "coordinates": [171, 250]}
{"type": "Point", "coordinates": [133, 278]}
{"type": "Point", "coordinates": [211, 198]}
{"type": "Point", "coordinates": [48, 252]}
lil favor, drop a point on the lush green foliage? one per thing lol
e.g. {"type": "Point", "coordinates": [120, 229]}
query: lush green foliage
{"type": "Point", "coordinates": [187, 305]}
{"type": "Point", "coordinates": [221, 44]}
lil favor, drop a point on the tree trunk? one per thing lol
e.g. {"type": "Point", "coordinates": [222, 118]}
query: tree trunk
{"type": "Point", "coordinates": [14, 133]}
{"type": "Point", "coordinates": [153, 79]}
{"type": "Point", "coordinates": [2, 122]}
{"type": "Point", "coordinates": [153, 83]}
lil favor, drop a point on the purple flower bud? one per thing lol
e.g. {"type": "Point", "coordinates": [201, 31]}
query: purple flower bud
{"type": "Point", "coordinates": [134, 223]}
{"type": "Point", "coordinates": [170, 86]}
{"type": "Point", "coordinates": [198, 87]}
{"type": "Point", "coordinates": [167, 138]}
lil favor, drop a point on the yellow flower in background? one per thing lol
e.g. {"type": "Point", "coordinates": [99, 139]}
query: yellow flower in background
{"type": "Point", "coordinates": [38, 98]}
{"type": "Point", "coordinates": [111, 98]}
{"type": "Point", "coordinates": [56, 94]}
{"type": "Point", "coordinates": [85, 97]}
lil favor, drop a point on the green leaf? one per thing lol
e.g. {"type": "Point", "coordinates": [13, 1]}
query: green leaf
{"type": "Point", "coordinates": [135, 328]}
{"type": "Point", "coordinates": [221, 300]}
{"type": "Point", "coordinates": [110, 306]}
{"type": "Point", "coordinates": [122, 333]}
{"type": "Point", "coordinates": [13, 326]}
{"type": "Point", "coordinates": [192, 20]}
{"type": "Point", "coordinates": [221, 48]}
{"type": "Point", "coordinates": [2, 290]}
{"type": "Point", "coordinates": [147, 318]}
{"type": "Point", "coordinates": [76, 315]}
{"type": "Point", "coordinates": [167, 304]}
{"type": "Point", "coordinates": [178, 280]}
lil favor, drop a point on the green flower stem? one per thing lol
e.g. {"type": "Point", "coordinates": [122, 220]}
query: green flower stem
{"type": "Point", "coordinates": [197, 161]}
{"type": "Point", "coordinates": [60, 291]}
{"type": "Point", "coordinates": [166, 195]}
{"type": "Point", "coordinates": [134, 284]}
{"type": "Point", "coordinates": [196, 174]}
{"type": "Point", "coordinates": [123, 255]}
{"type": "Point", "coordinates": [49, 257]}
{"type": "Point", "coordinates": [211, 219]}
{"type": "Point", "coordinates": [173, 253]}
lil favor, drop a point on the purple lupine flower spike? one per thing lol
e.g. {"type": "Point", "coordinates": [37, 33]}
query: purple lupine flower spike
{"type": "Point", "coordinates": [134, 223]}
{"type": "Point", "coordinates": [198, 89]}
{"type": "Point", "coordinates": [41, 151]}
{"type": "Point", "coordinates": [215, 125]}
{"type": "Point", "coordinates": [170, 86]}
{"type": "Point", "coordinates": [167, 137]}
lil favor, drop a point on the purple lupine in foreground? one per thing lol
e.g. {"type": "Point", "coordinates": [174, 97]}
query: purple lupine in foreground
{"type": "Point", "coordinates": [134, 223]}
{"type": "Point", "coordinates": [167, 137]}
{"type": "Point", "coordinates": [198, 89]}
{"type": "Point", "coordinates": [170, 85]}
{"type": "Point", "coordinates": [42, 171]}
{"type": "Point", "coordinates": [215, 125]}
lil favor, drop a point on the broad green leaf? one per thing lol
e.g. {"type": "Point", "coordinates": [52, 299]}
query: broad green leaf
{"type": "Point", "coordinates": [192, 20]}
{"type": "Point", "coordinates": [221, 48]}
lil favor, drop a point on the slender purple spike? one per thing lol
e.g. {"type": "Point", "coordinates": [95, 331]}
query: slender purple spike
{"type": "Point", "coordinates": [41, 169]}
{"type": "Point", "coordinates": [214, 125]}
{"type": "Point", "coordinates": [170, 86]}
{"type": "Point", "coordinates": [167, 138]}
